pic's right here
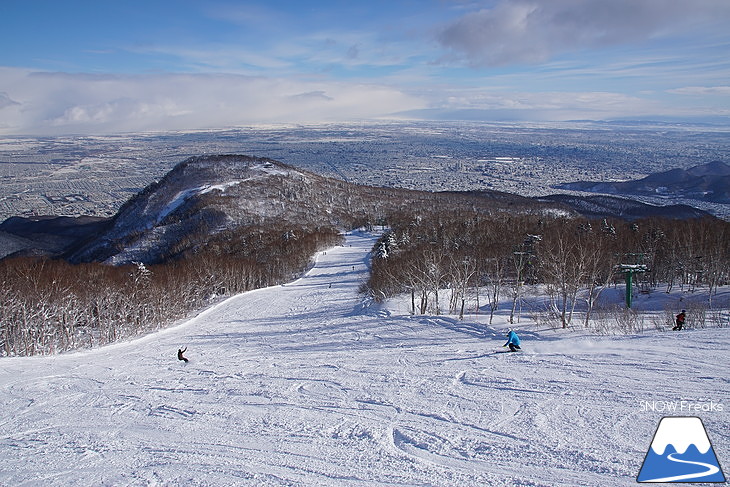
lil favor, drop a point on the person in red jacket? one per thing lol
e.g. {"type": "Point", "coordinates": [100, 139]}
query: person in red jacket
{"type": "Point", "coordinates": [679, 321]}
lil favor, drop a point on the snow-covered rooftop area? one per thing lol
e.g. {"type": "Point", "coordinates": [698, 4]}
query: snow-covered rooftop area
{"type": "Point", "coordinates": [307, 384]}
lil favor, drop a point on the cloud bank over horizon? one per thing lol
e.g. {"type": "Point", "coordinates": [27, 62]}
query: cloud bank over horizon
{"type": "Point", "coordinates": [63, 103]}
{"type": "Point", "coordinates": [187, 66]}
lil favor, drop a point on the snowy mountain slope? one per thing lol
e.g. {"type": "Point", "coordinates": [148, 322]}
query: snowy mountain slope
{"type": "Point", "coordinates": [304, 384]}
{"type": "Point", "coordinates": [198, 196]}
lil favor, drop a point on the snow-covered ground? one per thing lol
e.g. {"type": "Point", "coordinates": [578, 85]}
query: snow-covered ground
{"type": "Point", "coordinates": [304, 384]}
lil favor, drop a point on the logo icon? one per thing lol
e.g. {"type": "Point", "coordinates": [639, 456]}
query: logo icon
{"type": "Point", "coordinates": [681, 452]}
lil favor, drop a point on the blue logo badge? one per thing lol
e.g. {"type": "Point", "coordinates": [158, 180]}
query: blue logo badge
{"type": "Point", "coordinates": [681, 452]}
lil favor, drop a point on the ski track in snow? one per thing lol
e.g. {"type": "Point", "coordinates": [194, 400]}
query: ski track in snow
{"type": "Point", "coordinates": [306, 384]}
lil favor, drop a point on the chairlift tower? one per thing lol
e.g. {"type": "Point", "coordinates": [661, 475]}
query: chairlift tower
{"type": "Point", "coordinates": [629, 270]}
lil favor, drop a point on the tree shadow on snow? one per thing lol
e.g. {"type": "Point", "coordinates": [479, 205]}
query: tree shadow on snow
{"type": "Point", "coordinates": [483, 332]}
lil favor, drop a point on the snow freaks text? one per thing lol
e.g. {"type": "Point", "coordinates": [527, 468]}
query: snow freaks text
{"type": "Point", "coordinates": [681, 406]}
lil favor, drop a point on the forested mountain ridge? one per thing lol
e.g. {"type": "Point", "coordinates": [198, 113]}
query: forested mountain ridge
{"type": "Point", "coordinates": [705, 182]}
{"type": "Point", "coordinates": [205, 197]}
{"type": "Point", "coordinates": [604, 206]}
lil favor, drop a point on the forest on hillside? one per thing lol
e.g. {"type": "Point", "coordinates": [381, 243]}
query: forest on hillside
{"type": "Point", "coordinates": [455, 261]}
{"type": "Point", "coordinates": [483, 260]}
{"type": "Point", "coordinates": [51, 306]}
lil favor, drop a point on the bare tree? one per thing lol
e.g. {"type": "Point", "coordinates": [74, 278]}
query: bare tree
{"type": "Point", "coordinates": [493, 277]}
{"type": "Point", "coordinates": [461, 272]}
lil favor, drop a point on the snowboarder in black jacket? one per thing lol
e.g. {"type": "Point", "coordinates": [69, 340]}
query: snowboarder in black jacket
{"type": "Point", "coordinates": [180, 352]}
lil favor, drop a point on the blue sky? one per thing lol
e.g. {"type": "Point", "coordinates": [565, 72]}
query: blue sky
{"type": "Point", "coordinates": [112, 66]}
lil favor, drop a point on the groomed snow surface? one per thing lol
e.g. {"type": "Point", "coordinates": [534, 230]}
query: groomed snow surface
{"type": "Point", "coordinates": [307, 385]}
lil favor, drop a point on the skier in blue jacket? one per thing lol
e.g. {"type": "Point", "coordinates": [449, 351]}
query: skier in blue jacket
{"type": "Point", "coordinates": [513, 341]}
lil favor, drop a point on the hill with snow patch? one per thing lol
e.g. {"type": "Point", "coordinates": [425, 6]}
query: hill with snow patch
{"type": "Point", "coordinates": [204, 196]}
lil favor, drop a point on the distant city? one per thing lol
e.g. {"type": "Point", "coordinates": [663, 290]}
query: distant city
{"type": "Point", "coordinates": [95, 175]}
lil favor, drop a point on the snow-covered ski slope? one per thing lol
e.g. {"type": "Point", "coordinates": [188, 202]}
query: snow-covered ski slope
{"type": "Point", "coordinates": [304, 385]}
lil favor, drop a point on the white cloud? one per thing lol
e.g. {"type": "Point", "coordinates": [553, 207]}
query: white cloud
{"type": "Point", "coordinates": [218, 57]}
{"type": "Point", "coordinates": [6, 101]}
{"type": "Point", "coordinates": [47, 103]}
{"type": "Point", "coordinates": [553, 106]}
{"type": "Point", "coordinates": [702, 90]}
{"type": "Point", "coordinates": [533, 31]}
{"type": "Point", "coordinates": [58, 103]}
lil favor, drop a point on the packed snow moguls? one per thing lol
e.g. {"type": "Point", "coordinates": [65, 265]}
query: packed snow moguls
{"type": "Point", "coordinates": [309, 384]}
